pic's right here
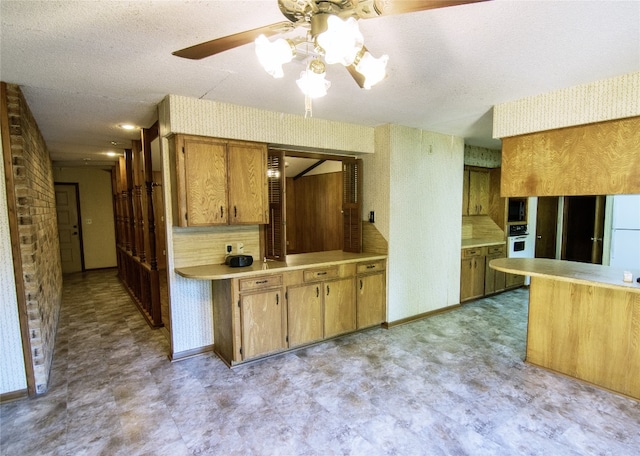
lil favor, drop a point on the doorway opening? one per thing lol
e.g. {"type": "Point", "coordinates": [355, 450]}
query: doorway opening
{"type": "Point", "coordinates": [583, 228]}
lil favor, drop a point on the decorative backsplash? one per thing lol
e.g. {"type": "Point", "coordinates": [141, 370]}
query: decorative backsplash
{"type": "Point", "coordinates": [481, 156]}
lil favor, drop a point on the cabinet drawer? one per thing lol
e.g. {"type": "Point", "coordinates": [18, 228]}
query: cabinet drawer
{"type": "Point", "coordinates": [495, 249]}
{"type": "Point", "coordinates": [469, 253]}
{"type": "Point", "coordinates": [312, 275]}
{"type": "Point", "coordinates": [373, 266]}
{"type": "Point", "coordinates": [258, 283]}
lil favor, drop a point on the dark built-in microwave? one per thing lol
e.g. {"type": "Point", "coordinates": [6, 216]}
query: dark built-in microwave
{"type": "Point", "coordinates": [517, 210]}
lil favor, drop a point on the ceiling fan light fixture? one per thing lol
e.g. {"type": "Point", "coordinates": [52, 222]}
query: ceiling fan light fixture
{"type": "Point", "coordinates": [312, 81]}
{"type": "Point", "coordinates": [374, 70]}
{"type": "Point", "coordinates": [272, 55]}
{"type": "Point", "coordinates": [341, 41]}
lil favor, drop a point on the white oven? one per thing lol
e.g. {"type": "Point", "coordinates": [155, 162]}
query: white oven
{"type": "Point", "coordinates": [520, 244]}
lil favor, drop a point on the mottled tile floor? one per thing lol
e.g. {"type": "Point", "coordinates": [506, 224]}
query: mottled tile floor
{"type": "Point", "coordinates": [452, 384]}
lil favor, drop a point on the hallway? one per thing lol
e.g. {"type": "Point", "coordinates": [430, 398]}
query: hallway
{"type": "Point", "coordinates": [454, 383]}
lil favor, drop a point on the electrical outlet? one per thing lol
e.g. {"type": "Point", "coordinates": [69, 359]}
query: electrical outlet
{"type": "Point", "coordinates": [240, 248]}
{"type": "Point", "coordinates": [228, 249]}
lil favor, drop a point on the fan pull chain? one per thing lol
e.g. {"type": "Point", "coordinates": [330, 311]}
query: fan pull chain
{"type": "Point", "coordinates": [307, 106]}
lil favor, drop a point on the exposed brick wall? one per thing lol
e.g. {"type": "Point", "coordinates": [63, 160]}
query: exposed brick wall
{"type": "Point", "coordinates": [38, 230]}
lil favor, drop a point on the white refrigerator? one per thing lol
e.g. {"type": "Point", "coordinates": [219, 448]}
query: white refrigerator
{"type": "Point", "coordinates": [625, 233]}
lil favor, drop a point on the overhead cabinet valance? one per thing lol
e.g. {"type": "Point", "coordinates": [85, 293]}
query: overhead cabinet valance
{"type": "Point", "coordinates": [595, 159]}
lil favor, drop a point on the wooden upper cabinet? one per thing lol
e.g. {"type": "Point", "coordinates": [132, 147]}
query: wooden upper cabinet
{"type": "Point", "coordinates": [205, 170]}
{"type": "Point", "coordinates": [247, 183]}
{"type": "Point", "coordinates": [218, 182]}
{"type": "Point", "coordinates": [475, 191]}
{"type": "Point", "coordinates": [478, 192]}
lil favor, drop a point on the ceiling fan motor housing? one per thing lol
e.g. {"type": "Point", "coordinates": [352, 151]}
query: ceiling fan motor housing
{"type": "Point", "coordinates": [302, 10]}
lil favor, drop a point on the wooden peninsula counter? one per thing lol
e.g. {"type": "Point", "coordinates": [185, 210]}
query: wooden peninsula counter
{"type": "Point", "coordinates": [584, 321]}
{"type": "Point", "coordinates": [271, 307]}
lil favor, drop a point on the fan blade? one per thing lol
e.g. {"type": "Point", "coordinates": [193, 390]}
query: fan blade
{"type": "Point", "coordinates": [389, 7]}
{"type": "Point", "coordinates": [209, 48]}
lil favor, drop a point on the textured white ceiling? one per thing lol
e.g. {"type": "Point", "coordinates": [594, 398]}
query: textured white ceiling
{"type": "Point", "coordinates": [86, 66]}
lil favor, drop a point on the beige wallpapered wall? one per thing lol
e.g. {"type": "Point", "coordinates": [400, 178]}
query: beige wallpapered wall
{"type": "Point", "coordinates": [607, 99]}
{"type": "Point", "coordinates": [191, 300]}
{"type": "Point", "coordinates": [12, 370]}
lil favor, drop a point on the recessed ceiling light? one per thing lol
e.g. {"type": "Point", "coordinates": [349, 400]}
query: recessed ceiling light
{"type": "Point", "coordinates": [127, 126]}
{"type": "Point", "coordinates": [112, 154]}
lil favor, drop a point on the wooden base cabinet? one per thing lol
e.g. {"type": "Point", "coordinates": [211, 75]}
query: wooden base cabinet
{"type": "Point", "coordinates": [371, 286]}
{"type": "Point", "coordinates": [339, 307]}
{"type": "Point", "coordinates": [249, 317]}
{"type": "Point", "coordinates": [305, 315]}
{"type": "Point", "coordinates": [477, 279]}
{"type": "Point", "coordinates": [263, 325]}
{"type": "Point", "coordinates": [494, 281]}
{"type": "Point", "coordinates": [259, 316]}
{"type": "Point", "coordinates": [472, 272]}
{"type": "Point", "coordinates": [513, 280]}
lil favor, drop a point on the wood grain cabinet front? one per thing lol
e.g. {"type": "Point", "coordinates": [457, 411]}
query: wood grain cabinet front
{"type": "Point", "coordinates": [475, 191]}
{"type": "Point", "coordinates": [472, 272]}
{"type": "Point", "coordinates": [371, 285]}
{"type": "Point", "coordinates": [218, 182]}
{"type": "Point", "coordinates": [259, 316]}
{"type": "Point", "coordinates": [249, 317]}
{"type": "Point", "coordinates": [339, 307]}
{"type": "Point", "coordinates": [494, 281]}
{"type": "Point", "coordinates": [263, 323]}
{"type": "Point", "coordinates": [305, 307]}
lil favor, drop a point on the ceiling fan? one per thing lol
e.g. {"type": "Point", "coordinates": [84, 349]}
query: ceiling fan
{"type": "Point", "coordinates": [331, 32]}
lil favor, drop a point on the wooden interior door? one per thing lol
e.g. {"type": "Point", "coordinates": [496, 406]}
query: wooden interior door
{"type": "Point", "coordinates": [598, 230]}
{"type": "Point", "coordinates": [69, 231]}
{"type": "Point", "coordinates": [546, 227]}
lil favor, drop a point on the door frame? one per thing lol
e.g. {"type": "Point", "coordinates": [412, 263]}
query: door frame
{"type": "Point", "coordinates": [80, 239]}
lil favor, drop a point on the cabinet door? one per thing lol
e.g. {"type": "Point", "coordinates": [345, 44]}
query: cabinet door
{"type": "Point", "coordinates": [371, 296]}
{"type": "Point", "coordinates": [304, 311]}
{"type": "Point", "coordinates": [205, 164]}
{"type": "Point", "coordinates": [472, 278]}
{"type": "Point", "coordinates": [339, 307]}
{"type": "Point", "coordinates": [262, 323]}
{"type": "Point", "coordinates": [466, 279]}
{"type": "Point", "coordinates": [465, 192]}
{"type": "Point", "coordinates": [478, 192]}
{"type": "Point", "coordinates": [514, 280]}
{"type": "Point", "coordinates": [247, 179]}
{"type": "Point", "coordinates": [494, 280]}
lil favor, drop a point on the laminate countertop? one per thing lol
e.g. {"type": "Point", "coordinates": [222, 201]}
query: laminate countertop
{"type": "Point", "coordinates": [479, 242]}
{"type": "Point", "coordinates": [568, 271]}
{"type": "Point", "coordinates": [298, 261]}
